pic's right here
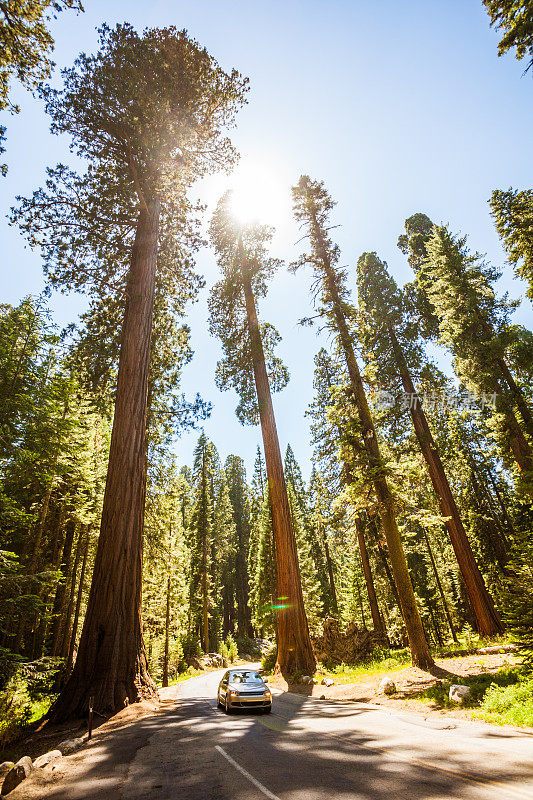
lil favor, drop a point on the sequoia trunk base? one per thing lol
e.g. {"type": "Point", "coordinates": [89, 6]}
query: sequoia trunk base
{"type": "Point", "coordinates": [111, 666]}
{"type": "Point", "coordinates": [295, 651]}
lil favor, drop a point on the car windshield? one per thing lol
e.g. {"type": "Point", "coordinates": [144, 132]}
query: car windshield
{"type": "Point", "coordinates": [245, 677]}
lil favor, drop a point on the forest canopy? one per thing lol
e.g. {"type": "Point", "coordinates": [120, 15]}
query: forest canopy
{"type": "Point", "coordinates": [403, 524]}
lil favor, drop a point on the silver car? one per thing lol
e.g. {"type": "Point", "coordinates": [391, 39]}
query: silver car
{"type": "Point", "coordinates": [243, 688]}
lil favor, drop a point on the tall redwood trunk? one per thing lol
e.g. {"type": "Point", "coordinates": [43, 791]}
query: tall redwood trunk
{"type": "Point", "coordinates": [420, 653]}
{"type": "Point", "coordinates": [295, 651]}
{"type": "Point", "coordinates": [111, 665]}
{"type": "Point", "coordinates": [331, 576]}
{"type": "Point", "coordinates": [59, 607]}
{"type": "Point", "coordinates": [74, 632]}
{"type": "Point", "coordinates": [417, 640]}
{"type": "Point", "coordinates": [369, 581]}
{"type": "Point", "coordinates": [488, 620]}
{"type": "Point", "coordinates": [164, 682]}
{"type": "Point", "coordinates": [518, 397]}
{"type": "Point", "coordinates": [441, 590]}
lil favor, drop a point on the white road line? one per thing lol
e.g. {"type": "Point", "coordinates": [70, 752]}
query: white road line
{"type": "Point", "coordinates": [251, 778]}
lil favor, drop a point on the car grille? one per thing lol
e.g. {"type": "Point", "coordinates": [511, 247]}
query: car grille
{"type": "Point", "coordinates": [243, 703]}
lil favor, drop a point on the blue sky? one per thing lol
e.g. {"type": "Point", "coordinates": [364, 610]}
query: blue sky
{"type": "Point", "coordinates": [398, 107]}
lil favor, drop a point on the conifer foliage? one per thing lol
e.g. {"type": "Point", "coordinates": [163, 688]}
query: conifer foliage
{"type": "Point", "coordinates": [312, 206]}
{"type": "Point", "coordinates": [250, 366]}
{"type": "Point", "coordinates": [121, 566]}
{"type": "Point", "coordinates": [144, 112]}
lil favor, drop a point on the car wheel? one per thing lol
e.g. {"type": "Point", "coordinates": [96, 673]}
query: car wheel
{"type": "Point", "coordinates": [219, 704]}
{"type": "Point", "coordinates": [227, 706]}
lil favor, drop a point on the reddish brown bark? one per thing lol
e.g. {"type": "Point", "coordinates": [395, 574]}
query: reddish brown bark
{"type": "Point", "coordinates": [295, 651]}
{"type": "Point", "coordinates": [164, 681]}
{"type": "Point", "coordinates": [488, 619]}
{"type": "Point", "coordinates": [441, 590]}
{"type": "Point", "coordinates": [517, 396]}
{"type": "Point", "coordinates": [417, 640]}
{"type": "Point", "coordinates": [111, 665]}
{"type": "Point", "coordinates": [331, 576]}
{"type": "Point", "coordinates": [369, 581]}
{"type": "Point", "coordinates": [59, 607]}
{"type": "Point", "coordinates": [74, 632]}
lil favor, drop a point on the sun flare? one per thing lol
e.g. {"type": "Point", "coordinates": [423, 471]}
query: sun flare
{"type": "Point", "coordinates": [259, 194]}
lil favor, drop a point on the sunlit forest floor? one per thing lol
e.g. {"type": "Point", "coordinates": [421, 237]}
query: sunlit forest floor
{"type": "Point", "coordinates": [496, 695]}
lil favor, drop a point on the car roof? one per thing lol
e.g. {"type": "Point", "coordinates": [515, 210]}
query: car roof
{"type": "Point", "coordinates": [242, 671]}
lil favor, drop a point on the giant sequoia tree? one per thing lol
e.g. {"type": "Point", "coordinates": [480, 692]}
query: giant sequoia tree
{"type": "Point", "coordinates": [146, 113]}
{"type": "Point", "coordinates": [250, 366]}
{"type": "Point", "coordinates": [389, 331]}
{"type": "Point", "coordinates": [474, 324]}
{"type": "Point", "coordinates": [312, 207]}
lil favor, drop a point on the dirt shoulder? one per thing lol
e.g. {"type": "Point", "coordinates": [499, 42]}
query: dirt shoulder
{"type": "Point", "coordinates": [410, 681]}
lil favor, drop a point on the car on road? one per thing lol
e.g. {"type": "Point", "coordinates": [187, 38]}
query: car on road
{"type": "Point", "coordinates": [243, 688]}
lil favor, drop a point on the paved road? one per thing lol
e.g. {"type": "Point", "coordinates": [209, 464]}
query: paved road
{"type": "Point", "coordinates": [313, 750]}
{"type": "Point", "coordinates": [305, 750]}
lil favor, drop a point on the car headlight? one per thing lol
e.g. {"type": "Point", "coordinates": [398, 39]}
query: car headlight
{"type": "Point", "coordinates": [268, 694]}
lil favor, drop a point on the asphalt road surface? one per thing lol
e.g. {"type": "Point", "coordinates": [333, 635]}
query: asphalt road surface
{"type": "Point", "coordinates": [305, 750]}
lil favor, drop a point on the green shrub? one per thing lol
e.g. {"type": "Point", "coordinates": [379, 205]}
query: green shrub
{"type": "Point", "coordinates": [15, 711]}
{"type": "Point", "coordinates": [517, 598]}
{"type": "Point", "coordinates": [190, 646]}
{"type": "Point", "coordinates": [247, 645]}
{"type": "Point", "coordinates": [228, 649]}
{"type": "Point", "coordinates": [480, 685]}
{"type": "Point", "coordinates": [268, 662]}
{"type": "Point", "coordinates": [27, 696]}
{"type": "Point", "coordinates": [509, 705]}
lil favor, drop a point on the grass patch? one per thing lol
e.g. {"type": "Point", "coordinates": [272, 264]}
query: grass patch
{"type": "Point", "coordinates": [503, 698]}
{"type": "Point", "coordinates": [19, 719]}
{"type": "Point", "coordinates": [381, 661]}
{"type": "Point", "coordinates": [191, 672]}
{"type": "Point", "coordinates": [469, 640]}
{"type": "Point", "coordinates": [508, 705]}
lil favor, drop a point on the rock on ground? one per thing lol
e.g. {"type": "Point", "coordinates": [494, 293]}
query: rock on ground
{"type": "Point", "coordinates": [69, 745]}
{"type": "Point", "coordinates": [5, 766]}
{"type": "Point", "coordinates": [206, 661]}
{"type": "Point", "coordinates": [387, 686]}
{"type": "Point", "coordinates": [459, 693]}
{"type": "Point", "coordinates": [18, 773]}
{"type": "Point", "coordinates": [46, 758]}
